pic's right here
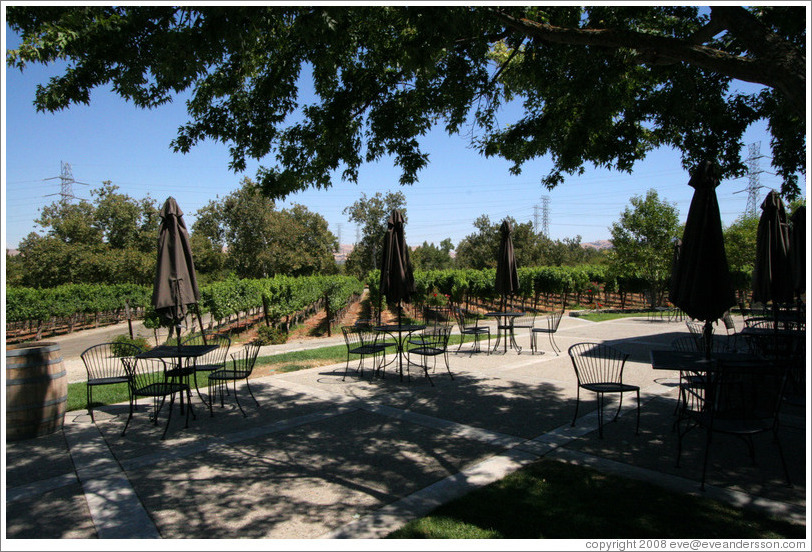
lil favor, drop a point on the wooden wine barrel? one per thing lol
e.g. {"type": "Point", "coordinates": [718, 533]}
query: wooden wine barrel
{"type": "Point", "coordinates": [36, 390]}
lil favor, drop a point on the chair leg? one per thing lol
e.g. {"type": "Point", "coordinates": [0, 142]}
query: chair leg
{"type": "Point", "coordinates": [237, 398]}
{"type": "Point", "coordinates": [705, 461]}
{"type": "Point", "coordinates": [619, 405]}
{"type": "Point", "coordinates": [577, 403]}
{"type": "Point", "coordinates": [781, 455]}
{"type": "Point", "coordinates": [169, 416]}
{"type": "Point", "coordinates": [130, 417]}
{"type": "Point", "coordinates": [555, 347]}
{"type": "Point", "coordinates": [600, 415]}
{"type": "Point", "coordinates": [90, 403]}
{"type": "Point", "coordinates": [637, 430]}
{"type": "Point", "coordinates": [211, 396]}
{"type": "Point", "coordinates": [251, 392]}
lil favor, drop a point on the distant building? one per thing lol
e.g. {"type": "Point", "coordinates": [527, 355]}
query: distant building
{"type": "Point", "coordinates": [12, 252]}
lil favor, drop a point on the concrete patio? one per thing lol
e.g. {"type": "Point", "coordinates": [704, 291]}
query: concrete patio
{"type": "Point", "coordinates": [325, 458]}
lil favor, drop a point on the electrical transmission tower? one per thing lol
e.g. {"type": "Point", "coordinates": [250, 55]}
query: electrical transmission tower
{"type": "Point", "coordinates": [66, 185]}
{"type": "Point", "coordinates": [753, 185]}
{"type": "Point", "coordinates": [545, 215]}
{"type": "Point", "coordinates": [536, 218]}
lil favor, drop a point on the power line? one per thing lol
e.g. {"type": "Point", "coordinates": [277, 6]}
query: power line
{"type": "Point", "coordinates": [753, 185]}
{"type": "Point", "coordinates": [66, 184]}
{"type": "Point", "coordinates": [545, 215]}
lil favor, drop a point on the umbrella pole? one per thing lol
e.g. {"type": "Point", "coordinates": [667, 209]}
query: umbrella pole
{"type": "Point", "coordinates": [707, 336]}
{"type": "Point", "coordinates": [400, 339]}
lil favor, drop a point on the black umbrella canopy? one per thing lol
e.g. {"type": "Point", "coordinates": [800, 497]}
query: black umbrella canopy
{"type": "Point", "coordinates": [507, 274]}
{"type": "Point", "coordinates": [175, 284]}
{"type": "Point", "coordinates": [397, 277]}
{"type": "Point", "coordinates": [797, 241]}
{"type": "Point", "coordinates": [772, 274]}
{"type": "Point", "coordinates": [700, 284]}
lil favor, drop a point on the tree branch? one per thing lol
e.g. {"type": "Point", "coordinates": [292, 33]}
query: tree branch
{"type": "Point", "coordinates": [783, 76]}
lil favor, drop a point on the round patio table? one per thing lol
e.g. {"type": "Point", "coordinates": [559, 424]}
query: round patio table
{"type": "Point", "coordinates": [505, 325]}
{"type": "Point", "coordinates": [400, 333]}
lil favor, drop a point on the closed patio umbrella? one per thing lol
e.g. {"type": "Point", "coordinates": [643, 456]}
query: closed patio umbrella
{"type": "Point", "coordinates": [772, 275]}
{"type": "Point", "coordinates": [797, 243]}
{"type": "Point", "coordinates": [397, 277]}
{"type": "Point", "coordinates": [175, 285]}
{"type": "Point", "coordinates": [507, 274]}
{"type": "Point", "coordinates": [701, 285]}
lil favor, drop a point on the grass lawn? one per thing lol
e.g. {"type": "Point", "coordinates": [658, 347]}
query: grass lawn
{"type": "Point", "coordinates": [554, 500]}
{"type": "Point", "coordinates": [603, 316]}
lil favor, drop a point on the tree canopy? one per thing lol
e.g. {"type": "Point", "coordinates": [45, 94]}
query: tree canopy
{"type": "Point", "coordinates": [643, 242]}
{"type": "Point", "coordinates": [110, 240]}
{"type": "Point", "coordinates": [371, 214]}
{"type": "Point", "coordinates": [597, 84]}
{"type": "Point", "coordinates": [261, 241]}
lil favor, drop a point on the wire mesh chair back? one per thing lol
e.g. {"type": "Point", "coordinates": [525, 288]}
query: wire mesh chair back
{"type": "Point", "coordinates": [465, 320]}
{"type": "Point", "coordinates": [361, 336]}
{"type": "Point", "coordinates": [436, 342]}
{"type": "Point", "coordinates": [103, 361]}
{"type": "Point", "coordinates": [696, 328]}
{"type": "Point", "coordinates": [597, 363]}
{"type": "Point", "coordinates": [553, 321]}
{"type": "Point", "coordinates": [243, 362]}
{"type": "Point", "coordinates": [215, 359]}
{"type": "Point", "coordinates": [148, 377]}
{"type": "Point", "coordinates": [527, 320]}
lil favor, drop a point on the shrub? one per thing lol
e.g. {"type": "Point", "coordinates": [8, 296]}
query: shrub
{"type": "Point", "coordinates": [126, 339]}
{"type": "Point", "coordinates": [268, 335]}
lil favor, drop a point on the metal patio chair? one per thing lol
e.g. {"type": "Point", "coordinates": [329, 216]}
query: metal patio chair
{"type": "Point", "coordinates": [469, 325]}
{"type": "Point", "coordinates": [242, 365]}
{"type": "Point", "coordinates": [599, 368]}
{"type": "Point", "coordinates": [147, 378]}
{"type": "Point", "coordinates": [738, 398]}
{"type": "Point", "coordinates": [546, 324]}
{"type": "Point", "coordinates": [104, 367]}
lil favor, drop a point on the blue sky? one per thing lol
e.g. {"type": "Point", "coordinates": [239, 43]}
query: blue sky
{"type": "Point", "coordinates": [113, 140]}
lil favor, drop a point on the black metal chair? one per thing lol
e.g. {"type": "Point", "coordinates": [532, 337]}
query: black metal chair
{"type": "Point", "coordinates": [526, 321]}
{"type": "Point", "coordinates": [215, 360]}
{"type": "Point", "coordinates": [692, 344]}
{"type": "Point", "coordinates": [434, 345]}
{"type": "Point", "coordinates": [739, 398]}
{"type": "Point", "coordinates": [730, 329]}
{"type": "Point", "coordinates": [548, 324]}
{"type": "Point", "coordinates": [242, 365]}
{"type": "Point", "coordinates": [599, 368]}
{"type": "Point", "coordinates": [469, 325]}
{"type": "Point", "coordinates": [104, 367]}
{"type": "Point", "coordinates": [147, 378]}
{"type": "Point", "coordinates": [434, 319]}
{"type": "Point", "coordinates": [362, 340]}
